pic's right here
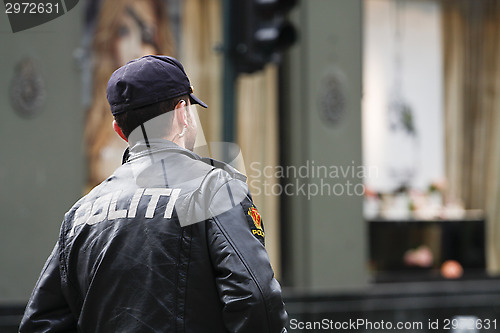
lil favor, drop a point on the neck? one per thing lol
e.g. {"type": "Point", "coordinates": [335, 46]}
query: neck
{"type": "Point", "coordinates": [178, 140]}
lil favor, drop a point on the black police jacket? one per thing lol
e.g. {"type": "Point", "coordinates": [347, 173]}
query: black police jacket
{"type": "Point", "coordinates": [170, 242]}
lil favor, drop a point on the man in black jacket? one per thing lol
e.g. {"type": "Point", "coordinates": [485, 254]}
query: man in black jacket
{"type": "Point", "coordinates": [171, 242]}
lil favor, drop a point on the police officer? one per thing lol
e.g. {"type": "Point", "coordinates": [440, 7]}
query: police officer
{"type": "Point", "coordinates": [171, 242]}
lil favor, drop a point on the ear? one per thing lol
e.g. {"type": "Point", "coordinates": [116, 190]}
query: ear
{"type": "Point", "coordinates": [181, 113]}
{"type": "Point", "coordinates": [118, 130]}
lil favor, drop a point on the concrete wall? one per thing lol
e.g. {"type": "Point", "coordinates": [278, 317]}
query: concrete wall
{"type": "Point", "coordinates": [323, 228]}
{"type": "Point", "coordinates": [41, 163]}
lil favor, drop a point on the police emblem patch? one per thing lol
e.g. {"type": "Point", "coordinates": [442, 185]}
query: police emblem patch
{"type": "Point", "coordinates": [255, 222]}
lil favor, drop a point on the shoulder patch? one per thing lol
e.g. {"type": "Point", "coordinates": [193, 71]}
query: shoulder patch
{"type": "Point", "coordinates": [255, 222]}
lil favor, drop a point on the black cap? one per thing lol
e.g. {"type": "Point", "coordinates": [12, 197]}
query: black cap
{"type": "Point", "coordinates": [148, 80]}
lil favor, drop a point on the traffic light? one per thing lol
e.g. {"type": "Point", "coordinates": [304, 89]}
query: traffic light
{"type": "Point", "coordinates": [259, 32]}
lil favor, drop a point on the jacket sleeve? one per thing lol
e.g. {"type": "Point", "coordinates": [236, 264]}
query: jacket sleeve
{"type": "Point", "coordinates": [47, 310]}
{"type": "Point", "coordinates": [250, 294]}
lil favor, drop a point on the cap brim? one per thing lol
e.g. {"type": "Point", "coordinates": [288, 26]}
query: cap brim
{"type": "Point", "coordinates": [196, 100]}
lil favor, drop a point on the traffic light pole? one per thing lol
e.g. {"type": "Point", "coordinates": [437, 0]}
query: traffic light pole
{"type": "Point", "coordinates": [229, 79]}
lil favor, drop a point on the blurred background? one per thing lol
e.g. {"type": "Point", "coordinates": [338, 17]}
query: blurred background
{"type": "Point", "coordinates": [369, 131]}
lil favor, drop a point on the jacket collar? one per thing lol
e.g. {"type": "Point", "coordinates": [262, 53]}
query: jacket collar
{"type": "Point", "coordinates": [142, 148]}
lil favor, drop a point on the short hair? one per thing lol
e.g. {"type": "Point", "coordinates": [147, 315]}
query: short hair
{"type": "Point", "coordinates": [130, 120]}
